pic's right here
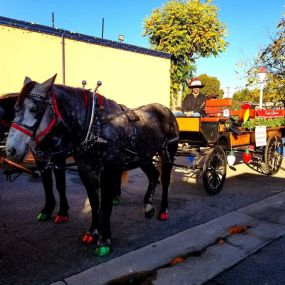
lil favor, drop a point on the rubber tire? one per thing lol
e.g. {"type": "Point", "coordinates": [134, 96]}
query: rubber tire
{"type": "Point", "coordinates": [215, 159]}
{"type": "Point", "coordinates": [270, 153]}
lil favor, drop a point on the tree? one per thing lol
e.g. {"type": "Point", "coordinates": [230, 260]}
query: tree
{"type": "Point", "coordinates": [273, 56]}
{"type": "Point", "coordinates": [244, 95]}
{"type": "Point", "coordinates": [273, 59]}
{"type": "Point", "coordinates": [188, 29]}
{"type": "Point", "coordinates": [212, 86]}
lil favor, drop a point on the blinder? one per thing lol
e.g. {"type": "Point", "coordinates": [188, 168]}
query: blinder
{"type": "Point", "coordinates": [41, 103]}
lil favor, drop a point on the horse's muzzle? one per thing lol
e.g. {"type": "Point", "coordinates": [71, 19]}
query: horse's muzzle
{"type": "Point", "coordinates": [11, 153]}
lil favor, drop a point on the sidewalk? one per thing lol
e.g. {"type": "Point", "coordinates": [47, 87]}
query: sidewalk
{"type": "Point", "coordinates": [198, 254]}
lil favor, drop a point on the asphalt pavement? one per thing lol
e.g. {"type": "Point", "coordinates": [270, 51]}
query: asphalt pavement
{"type": "Point", "coordinates": [238, 240]}
{"type": "Point", "coordinates": [208, 239]}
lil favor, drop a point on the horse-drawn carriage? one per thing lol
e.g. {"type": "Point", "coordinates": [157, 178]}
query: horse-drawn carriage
{"type": "Point", "coordinates": [205, 141]}
{"type": "Point", "coordinates": [212, 141]}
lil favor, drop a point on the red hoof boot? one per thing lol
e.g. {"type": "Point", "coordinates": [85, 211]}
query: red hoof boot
{"type": "Point", "coordinates": [60, 219]}
{"type": "Point", "coordinates": [164, 216]}
{"type": "Point", "coordinates": [89, 237]}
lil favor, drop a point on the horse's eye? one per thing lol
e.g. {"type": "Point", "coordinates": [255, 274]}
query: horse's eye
{"type": "Point", "coordinates": [34, 110]}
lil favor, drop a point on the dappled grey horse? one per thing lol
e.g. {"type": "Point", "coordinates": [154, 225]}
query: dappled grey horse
{"type": "Point", "coordinates": [104, 139]}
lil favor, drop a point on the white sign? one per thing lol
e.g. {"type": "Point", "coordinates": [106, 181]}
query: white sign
{"type": "Point", "coordinates": [260, 135]}
{"type": "Point", "coordinates": [226, 112]}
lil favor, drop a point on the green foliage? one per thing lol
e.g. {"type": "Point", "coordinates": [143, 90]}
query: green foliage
{"type": "Point", "coordinates": [273, 56]}
{"type": "Point", "coordinates": [273, 59]}
{"type": "Point", "coordinates": [212, 86]}
{"type": "Point", "coordinates": [245, 95]}
{"type": "Point", "coordinates": [268, 122]}
{"type": "Point", "coordinates": [188, 29]}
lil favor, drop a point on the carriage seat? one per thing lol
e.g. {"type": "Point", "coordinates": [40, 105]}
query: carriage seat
{"type": "Point", "coordinates": [216, 107]}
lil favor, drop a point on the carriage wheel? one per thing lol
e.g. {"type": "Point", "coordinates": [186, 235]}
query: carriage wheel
{"type": "Point", "coordinates": [214, 170]}
{"type": "Point", "coordinates": [273, 155]}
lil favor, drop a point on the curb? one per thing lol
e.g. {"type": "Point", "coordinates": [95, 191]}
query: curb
{"type": "Point", "coordinates": [207, 249]}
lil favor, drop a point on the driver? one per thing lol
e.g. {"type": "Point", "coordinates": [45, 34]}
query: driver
{"type": "Point", "coordinates": [194, 103]}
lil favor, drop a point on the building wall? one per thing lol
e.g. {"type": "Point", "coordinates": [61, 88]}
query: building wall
{"type": "Point", "coordinates": [128, 77]}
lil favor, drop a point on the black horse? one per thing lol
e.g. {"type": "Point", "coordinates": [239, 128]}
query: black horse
{"type": "Point", "coordinates": [7, 103]}
{"type": "Point", "coordinates": [104, 139]}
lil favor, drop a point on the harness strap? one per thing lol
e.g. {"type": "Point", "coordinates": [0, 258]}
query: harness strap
{"type": "Point", "coordinates": [22, 129]}
{"type": "Point", "coordinates": [132, 116]}
{"type": "Point", "coordinates": [45, 131]}
{"type": "Point", "coordinates": [55, 106]}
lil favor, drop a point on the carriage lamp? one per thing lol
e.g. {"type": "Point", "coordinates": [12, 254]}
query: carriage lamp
{"type": "Point", "coordinates": [231, 158]}
{"type": "Point", "coordinates": [246, 156]}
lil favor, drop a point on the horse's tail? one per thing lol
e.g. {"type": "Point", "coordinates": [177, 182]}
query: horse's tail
{"type": "Point", "coordinates": [124, 178]}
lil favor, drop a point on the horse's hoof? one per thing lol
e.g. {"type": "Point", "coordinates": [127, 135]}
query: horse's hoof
{"type": "Point", "coordinates": [60, 219]}
{"type": "Point", "coordinates": [103, 248]}
{"type": "Point", "coordinates": [164, 216]}
{"type": "Point", "coordinates": [43, 217]}
{"type": "Point", "coordinates": [89, 237]}
{"type": "Point", "coordinates": [149, 214]}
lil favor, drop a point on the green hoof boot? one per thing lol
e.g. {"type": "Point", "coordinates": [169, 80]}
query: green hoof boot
{"type": "Point", "coordinates": [43, 217]}
{"type": "Point", "coordinates": [103, 247]}
{"type": "Point", "coordinates": [102, 250]}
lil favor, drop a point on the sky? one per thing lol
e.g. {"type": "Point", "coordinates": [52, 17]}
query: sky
{"type": "Point", "coordinates": [250, 24]}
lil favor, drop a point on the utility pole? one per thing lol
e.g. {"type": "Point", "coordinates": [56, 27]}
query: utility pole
{"type": "Point", "coordinates": [52, 19]}
{"type": "Point", "coordinates": [228, 92]}
{"type": "Point", "coordinates": [63, 58]}
{"type": "Point", "coordinates": [102, 28]}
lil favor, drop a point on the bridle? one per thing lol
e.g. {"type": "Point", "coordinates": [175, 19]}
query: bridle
{"type": "Point", "coordinates": [31, 131]}
{"type": "Point", "coordinates": [93, 103]}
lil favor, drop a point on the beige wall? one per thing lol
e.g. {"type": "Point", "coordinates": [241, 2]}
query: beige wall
{"type": "Point", "coordinates": [128, 77]}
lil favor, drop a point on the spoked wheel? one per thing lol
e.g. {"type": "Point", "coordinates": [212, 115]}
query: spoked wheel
{"type": "Point", "coordinates": [214, 170]}
{"type": "Point", "coordinates": [273, 155]}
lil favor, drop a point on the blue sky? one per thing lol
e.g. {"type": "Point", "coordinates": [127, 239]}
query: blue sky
{"type": "Point", "coordinates": [250, 24]}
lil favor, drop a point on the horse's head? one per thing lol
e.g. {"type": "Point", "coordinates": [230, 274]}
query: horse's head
{"type": "Point", "coordinates": [30, 111]}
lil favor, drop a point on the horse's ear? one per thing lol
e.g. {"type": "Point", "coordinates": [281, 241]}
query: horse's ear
{"type": "Point", "coordinates": [47, 85]}
{"type": "Point", "coordinates": [27, 80]}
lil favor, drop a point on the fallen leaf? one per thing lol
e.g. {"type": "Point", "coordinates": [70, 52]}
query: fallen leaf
{"type": "Point", "coordinates": [177, 260]}
{"type": "Point", "coordinates": [236, 230]}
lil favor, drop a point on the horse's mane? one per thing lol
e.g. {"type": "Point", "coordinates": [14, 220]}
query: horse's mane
{"type": "Point", "coordinates": [68, 88]}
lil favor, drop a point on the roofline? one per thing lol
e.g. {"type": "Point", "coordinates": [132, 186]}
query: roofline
{"type": "Point", "coordinates": [79, 37]}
